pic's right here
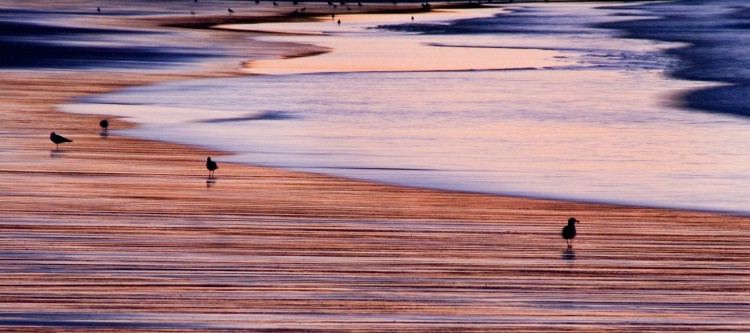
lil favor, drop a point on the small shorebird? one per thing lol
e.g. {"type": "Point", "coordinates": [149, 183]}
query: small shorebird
{"type": "Point", "coordinates": [211, 166]}
{"type": "Point", "coordinates": [569, 231]}
{"type": "Point", "coordinates": [104, 124]}
{"type": "Point", "coordinates": [230, 11]}
{"type": "Point", "coordinates": [58, 139]}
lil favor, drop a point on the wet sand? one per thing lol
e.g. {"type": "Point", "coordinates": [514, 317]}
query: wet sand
{"type": "Point", "coordinates": [118, 234]}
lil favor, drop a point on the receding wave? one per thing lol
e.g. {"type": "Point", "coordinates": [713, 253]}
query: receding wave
{"type": "Point", "coordinates": [270, 115]}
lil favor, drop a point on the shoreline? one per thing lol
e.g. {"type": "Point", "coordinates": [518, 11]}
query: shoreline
{"type": "Point", "coordinates": [125, 79]}
{"type": "Point", "coordinates": [121, 234]}
{"type": "Point", "coordinates": [594, 200]}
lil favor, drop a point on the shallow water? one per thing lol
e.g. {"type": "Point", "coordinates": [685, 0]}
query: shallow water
{"type": "Point", "coordinates": [533, 103]}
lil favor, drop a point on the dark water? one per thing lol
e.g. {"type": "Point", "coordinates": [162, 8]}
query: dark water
{"type": "Point", "coordinates": [34, 39]}
{"type": "Point", "coordinates": [717, 33]}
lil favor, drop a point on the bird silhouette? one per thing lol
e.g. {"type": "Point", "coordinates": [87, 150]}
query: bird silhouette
{"type": "Point", "coordinates": [569, 231]}
{"type": "Point", "coordinates": [104, 124]}
{"type": "Point", "coordinates": [230, 11]}
{"type": "Point", "coordinates": [58, 139]}
{"type": "Point", "coordinates": [211, 166]}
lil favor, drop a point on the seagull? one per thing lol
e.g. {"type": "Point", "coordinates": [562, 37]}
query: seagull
{"type": "Point", "coordinates": [211, 166]}
{"type": "Point", "coordinates": [58, 139]}
{"type": "Point", "coordinates": [569, 231]}
{"type": "Point", "coordinates": [104, 124]}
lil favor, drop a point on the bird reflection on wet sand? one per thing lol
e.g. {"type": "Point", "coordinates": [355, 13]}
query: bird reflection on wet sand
{"type": "Point", "coordinates": [569, 254]}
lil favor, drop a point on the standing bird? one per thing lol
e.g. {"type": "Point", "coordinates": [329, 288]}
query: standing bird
{"type": "Point", "coordinates": [58, 139]}
{"type": "Point", "coordinates": [230, 11]}
{"type": "Point", "coordinates": [104, 124]}
{"type": "Point", "coordinates": [211, 166]}
{"type": "Point", "coordinates": [569, 231]}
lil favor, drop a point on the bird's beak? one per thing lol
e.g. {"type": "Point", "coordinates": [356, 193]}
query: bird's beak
{"type": "Point", "coordinates": [578, 221]}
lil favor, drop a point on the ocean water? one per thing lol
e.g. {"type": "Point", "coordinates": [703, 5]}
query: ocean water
{"type": "Point", "coordinates": [537, 100]}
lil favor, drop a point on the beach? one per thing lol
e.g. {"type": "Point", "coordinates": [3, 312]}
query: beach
{"type": "Point", "coordinates": [118, 234]}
